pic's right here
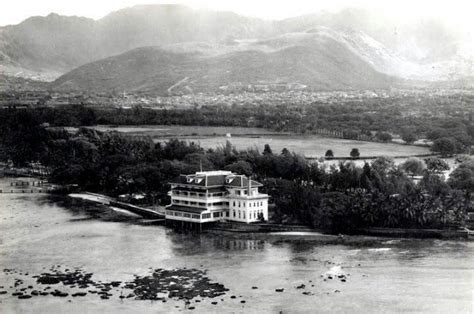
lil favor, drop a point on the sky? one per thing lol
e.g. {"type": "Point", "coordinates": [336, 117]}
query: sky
{"type": "Point", "coordinates": [457, 13]}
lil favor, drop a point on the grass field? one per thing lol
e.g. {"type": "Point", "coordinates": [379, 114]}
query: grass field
{"type": "Point", "coordinates": [178, 130]}
{"type": "Point", "coordinates": [243, 138]}
{"type": "Point", "coordinates": [314, 146]}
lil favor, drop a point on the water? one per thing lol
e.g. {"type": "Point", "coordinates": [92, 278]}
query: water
{"type": "Point", "coordinates": [383, 275]}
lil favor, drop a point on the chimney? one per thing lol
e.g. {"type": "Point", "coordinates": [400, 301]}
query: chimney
{"type": "Point", "coordinates": [249, 187]}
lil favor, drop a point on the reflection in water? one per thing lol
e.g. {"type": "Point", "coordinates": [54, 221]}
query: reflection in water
{"type": "Point", "coordinates": [407, 275]}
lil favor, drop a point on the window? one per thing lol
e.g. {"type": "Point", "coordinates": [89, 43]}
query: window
{"type": "Point", "coordinates": [233, 213]}
{"type": "Point", "coordinates": [250, 204]}
{"type": "Point", "coordinates": [206, 216]}
{"type": "Point", "coordinates": [239, 214]}
{"type": "Point", "coordinates": [195, 216]}
{"type": "Point", "coordinates": [216, 215]}
{"type": "Point", "coordinates": [187, 215]}
{"type": "Point", "coordinates": [244, 214]}
{"type": "Point", "coordinates": [234, 203]}
{"type": "Point", "coordinates": [239, 204]}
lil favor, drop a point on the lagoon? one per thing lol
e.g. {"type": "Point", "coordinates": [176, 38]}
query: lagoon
{"type": "Point", "coordinates": [383, 275]}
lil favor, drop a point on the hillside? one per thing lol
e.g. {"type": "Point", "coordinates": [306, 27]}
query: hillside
{"type": "Point", "coordinates": [322, 64]}
{"type": "Point", "coordinates": [46, 46]}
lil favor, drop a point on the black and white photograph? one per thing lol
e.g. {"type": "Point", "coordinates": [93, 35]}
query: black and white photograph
{"type": "Point", "coordinates": [236, 156]}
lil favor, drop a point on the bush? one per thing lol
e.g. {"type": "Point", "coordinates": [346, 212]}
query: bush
{"type": "Point", "coordinates": [384, 137]}
{"type": "Point", "coordinates": [446, 146]}
{"type": "Point", "coordinates": [355, 153]}
{"type": "Point", "coordinates": [329, 154]}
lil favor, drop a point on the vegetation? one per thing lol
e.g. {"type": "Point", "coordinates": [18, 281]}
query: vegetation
{"type": "Point", "coordinates": [413, 166]}
{"type": "Point", "coordinates": [355, 153]}
{"type": "Point", "coordinates": [408, 135]}
{"type": "Point", "coordinates": [384, 136]}
{"type": "Point", "coordinates": [343, 198]}
{"type": "Point", "coordinates": [329, 154]}
{"type": "Point", "coordinates": [426, 114]}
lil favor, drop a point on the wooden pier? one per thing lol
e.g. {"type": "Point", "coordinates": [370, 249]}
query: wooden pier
{"type": "Point", "coordinates": [187, 225]}
{"type": "Point", "coordinates": [26, 186]}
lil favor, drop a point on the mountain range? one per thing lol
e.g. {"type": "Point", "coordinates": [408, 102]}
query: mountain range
{"type": "Point", "coordinates": [160, 49]}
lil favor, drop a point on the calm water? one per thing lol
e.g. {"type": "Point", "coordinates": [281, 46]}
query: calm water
{"type": "Point", "coordinates": [384, 275]}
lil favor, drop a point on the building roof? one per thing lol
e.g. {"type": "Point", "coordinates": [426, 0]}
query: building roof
{"type": "Point", "coordinates": [241, 181]}
{"type": "Point", "coordinates": [214, 179]}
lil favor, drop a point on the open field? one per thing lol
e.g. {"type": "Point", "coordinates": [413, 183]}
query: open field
{"type": "Point", "coordinates": [243, 138]}
{"type": "Point", "coordinates": [182, 130]}
{"type": "Point", "coordinates": [314, 146]}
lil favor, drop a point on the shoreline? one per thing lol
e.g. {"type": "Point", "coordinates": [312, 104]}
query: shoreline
{"type": "Point", "coordinates": [271, 228]}
{"type": "Point", "coordinates": [410, 233]}
{"type": "Point", "coordinates": [268, 228]}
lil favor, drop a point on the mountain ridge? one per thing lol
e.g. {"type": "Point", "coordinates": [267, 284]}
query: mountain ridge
{"type": "Point", "coordinates": [45, 48]}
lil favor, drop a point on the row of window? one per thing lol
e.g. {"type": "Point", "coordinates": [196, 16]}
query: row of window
{"type": "Point", "coordinates": [185, 215]}
{"type": "Point", "coordinates": [253, 214]}
{"type": "Point", "coordinates": [201, 204]}
{"type": "Point", "coordinates": [196, 216]}
{"type": "Point", "coordinates": [255, 204]}
{"type": "Point", "coordinates": [189, 203]}
{"type": "Point", "coordinates": [199, 194]}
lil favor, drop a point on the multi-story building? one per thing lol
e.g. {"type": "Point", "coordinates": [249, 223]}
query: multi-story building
{"type": "Point", "coordinates": [211, 196]}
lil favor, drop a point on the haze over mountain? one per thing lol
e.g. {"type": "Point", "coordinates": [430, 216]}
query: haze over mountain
{"type": "Point", "coordinates": [321, 63]}
{"type": "Point", "coordinates": [208, 50]}
{"type": "Point", "coordinates": [55, 44]}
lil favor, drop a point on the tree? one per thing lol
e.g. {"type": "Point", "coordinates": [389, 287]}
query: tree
{"type": "Point", "coordinates": [436, 165]}
{"type": "Point", "coordinates": [413, 166]}
{"type": "Point", "coordinates": [446, 146]}
{"type": "Point", "coordinates": [408, 135]}
{"type": "Point", "coordinates": [285, 152]}
{"type": "Point", "coordinates": [463, 177]}
{"type": "Point", "coordinates": [240, 167]}
{"type": "Point", "coordinates": [436, 133]}
{"type": "Point", "coordinates": [22, 139]}
{"type": "Point", "coordinates": [434, 184]}
{"type": "Point", "coordinates": [197, 162]}
{"type": "Point", "coordinates": [383, 165]}
{"type": "Point", "coordinates": [329, 154]}
{"type": "Point", "coordinates": [355, 153]}
{"type": "Point", "coordinates": [267, 150]}
{"type": "Point", "coordinates": [384, 136]}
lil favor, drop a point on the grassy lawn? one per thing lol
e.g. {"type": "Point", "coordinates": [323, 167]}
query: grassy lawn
{"type": "Point", "coordinates": [315, 146]}
{"type": "Point", "coordinates": [243, 138]}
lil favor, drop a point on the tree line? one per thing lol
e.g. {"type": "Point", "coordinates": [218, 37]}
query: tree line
{"type": "Point", "coordinates": [341, 197]}
{"type": "Point", "coordinates": [450, 131]}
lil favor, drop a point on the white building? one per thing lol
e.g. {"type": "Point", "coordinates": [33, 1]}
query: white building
{"type": "Point", "coordinates": [211, 196]}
